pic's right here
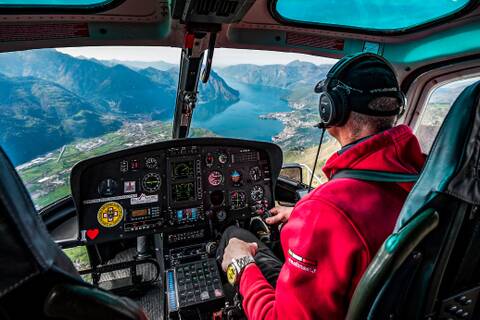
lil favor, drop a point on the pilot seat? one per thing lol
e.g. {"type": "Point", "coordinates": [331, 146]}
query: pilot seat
{"type": "Point", "coordinates": [428, 268]}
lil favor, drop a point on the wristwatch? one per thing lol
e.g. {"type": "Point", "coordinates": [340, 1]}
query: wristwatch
{"type": "Point", "coordinates": [235, 269]}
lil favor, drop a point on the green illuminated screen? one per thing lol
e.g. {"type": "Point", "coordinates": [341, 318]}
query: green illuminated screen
{"type": "Point", "coordinates": [368, 14]}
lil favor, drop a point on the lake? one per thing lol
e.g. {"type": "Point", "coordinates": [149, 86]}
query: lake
{"type": "Point", "coordinates": [241, 120]}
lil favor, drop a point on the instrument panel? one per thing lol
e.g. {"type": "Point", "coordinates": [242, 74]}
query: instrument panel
{"type": "Point", "coordinates": [172, 185]}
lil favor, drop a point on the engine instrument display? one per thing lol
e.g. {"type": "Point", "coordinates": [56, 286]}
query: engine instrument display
{"type": "Point", "coordinates": [182, 192]}
{"type": "Point", "coordinates": [183, 170]}
{"type": "Point", "coordinates": [173, 186]}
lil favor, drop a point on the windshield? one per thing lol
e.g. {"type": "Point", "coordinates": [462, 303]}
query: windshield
{"type": "Point", "coordinates": [58, 107]}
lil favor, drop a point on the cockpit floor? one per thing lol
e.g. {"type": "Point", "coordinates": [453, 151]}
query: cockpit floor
{"type": "Point", "coordinates": [151, 300]}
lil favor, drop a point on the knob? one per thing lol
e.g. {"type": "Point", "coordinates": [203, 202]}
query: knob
{"type": "Point", "coordinates": [211, 248]}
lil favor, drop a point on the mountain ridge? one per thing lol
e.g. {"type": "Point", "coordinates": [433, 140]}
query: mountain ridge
{"type": "Point", "coordinates": [43, 84]}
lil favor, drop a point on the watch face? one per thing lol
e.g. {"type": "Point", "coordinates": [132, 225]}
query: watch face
{"type": "Point", "coordinates": [231, 274]}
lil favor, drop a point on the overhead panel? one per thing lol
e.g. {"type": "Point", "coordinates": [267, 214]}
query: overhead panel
{"type": "Point", "coordinates": [26, 24]}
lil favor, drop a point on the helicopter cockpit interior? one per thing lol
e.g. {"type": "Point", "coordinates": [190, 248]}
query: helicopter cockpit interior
{"type": "Point", "coordinates": [150, 216]}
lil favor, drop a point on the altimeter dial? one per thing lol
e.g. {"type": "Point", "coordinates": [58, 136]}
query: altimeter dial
{"type": "Point", "coordinates": [257, 193]}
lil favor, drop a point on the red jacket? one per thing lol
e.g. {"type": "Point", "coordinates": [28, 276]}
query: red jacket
{"type": "Point", "coordinates": [334, 232]}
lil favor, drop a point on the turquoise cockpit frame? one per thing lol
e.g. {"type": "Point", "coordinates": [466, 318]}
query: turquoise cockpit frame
{"type": "Point", "coordinates": [369, 16]}
{"type": "Point", "coordinates": [37, 7]}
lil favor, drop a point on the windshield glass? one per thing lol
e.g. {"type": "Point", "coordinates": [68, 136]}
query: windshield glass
{"type": "Point", "coordinates": [58, 107]}
{"type": "Point", "coordinates": [368, 14]}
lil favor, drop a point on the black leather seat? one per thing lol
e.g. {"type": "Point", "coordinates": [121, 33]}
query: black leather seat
{"type": "Point", "coordinates": [37, 280]}
{"type": "Point", "coordinates": [429, 267]}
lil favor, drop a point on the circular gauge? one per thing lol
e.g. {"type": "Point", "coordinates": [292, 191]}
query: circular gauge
{"type": "Point", "coordinates": [216, 198]}
{"type": "Point", "coordinates": [107, 187]}
{"type": "Point", "coordinates": [257, 193]}
{"type": "Point", "coordinates": [238, 200]}
{"type": "Point", "coordinates": [151, 163]}
{"type": "Point", "coordinates": [215, 178]}
{"type": "Point", "coordinates": [221, 215]}
{"type": "Point", "coordinates": [236, 178]}
{"type": "Point", "coordinates": [255, 173]}
{"type": "Point", "coordinates": [151, 182]}
{"type": "Point", "coordinates": [222, 158]}
{"type": "Point", "coordinates": [209, 160]}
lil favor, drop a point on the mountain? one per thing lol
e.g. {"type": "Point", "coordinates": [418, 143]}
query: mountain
{"type": "Point", "coordinates": [116, 89]}
{"type": "Point", "coordinates": [289, 76]}
{"type": "Point", "coordinates": [33, 110]}
{"type": "Point", "coordinates": [138, 65]}
{"type": "Point", "coordinates": [57, 98]}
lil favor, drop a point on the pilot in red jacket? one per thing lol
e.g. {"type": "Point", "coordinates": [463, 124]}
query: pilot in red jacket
{"type": "Point", "coordinates": [332, 234]}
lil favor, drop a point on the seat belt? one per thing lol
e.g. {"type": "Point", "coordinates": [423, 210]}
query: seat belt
{"type": "Point", "coordinates": [375, 176]}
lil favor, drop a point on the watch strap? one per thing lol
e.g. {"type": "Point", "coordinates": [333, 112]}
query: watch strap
{"type": "Point", "coordinates": [240, 264]}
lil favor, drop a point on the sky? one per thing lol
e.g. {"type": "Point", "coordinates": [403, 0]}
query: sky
{"type": "Point", "coordinates": [222, 57]}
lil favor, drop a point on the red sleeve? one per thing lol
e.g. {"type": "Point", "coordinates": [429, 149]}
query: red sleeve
{"type": "Point", "coordinates": [325, 258]}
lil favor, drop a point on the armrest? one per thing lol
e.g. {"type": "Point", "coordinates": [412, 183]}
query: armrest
{"type": "Point", "coordinates": [75, 302]}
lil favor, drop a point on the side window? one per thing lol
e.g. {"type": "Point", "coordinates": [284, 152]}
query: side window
{"type": "Point", "coordinates": [436, 110]}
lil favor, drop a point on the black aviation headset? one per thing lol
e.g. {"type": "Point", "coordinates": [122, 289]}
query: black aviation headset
{"type": "Point", "coordinates": [338, 99]}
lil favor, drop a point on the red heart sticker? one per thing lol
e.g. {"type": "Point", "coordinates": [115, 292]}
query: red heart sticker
{"type": "Point", "coordinates": [92, 233]}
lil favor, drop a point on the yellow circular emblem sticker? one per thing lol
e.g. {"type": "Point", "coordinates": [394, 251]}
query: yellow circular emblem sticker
{"type": "Point", "coordinates": [110, 214]}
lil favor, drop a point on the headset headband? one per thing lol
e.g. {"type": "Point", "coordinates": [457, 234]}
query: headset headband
{"type": "Point", "coordinates": [361, 97]}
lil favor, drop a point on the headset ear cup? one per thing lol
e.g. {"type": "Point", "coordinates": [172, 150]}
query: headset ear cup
{"type": "Point", "coordinates": [341, 109]}
{"type": "Point", "coordinates": [325, 109]}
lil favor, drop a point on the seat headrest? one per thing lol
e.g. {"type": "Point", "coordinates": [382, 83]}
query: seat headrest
{"type": "Point", "coordinates": [452, 166]}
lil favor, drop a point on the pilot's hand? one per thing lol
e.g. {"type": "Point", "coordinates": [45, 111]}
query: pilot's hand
{"type": "Point", "coordinates": [237, 248]}
{"type": "Point", "coordinates": [279, 214]}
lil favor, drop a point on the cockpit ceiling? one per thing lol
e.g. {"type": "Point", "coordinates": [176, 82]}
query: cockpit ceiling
{"type": "Point", "coordinates": [150, 22]}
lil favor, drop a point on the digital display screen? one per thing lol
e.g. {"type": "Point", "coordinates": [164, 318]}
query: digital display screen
{"type": "Point", "coordinates": [183, 192]}
{"type": "Point", "coordinates": [139, 213]}
{"type": "Point", "coordinates": [183, 169]}
{"type": "Point", "coordinates": [187, 215]}
{"type": "Point", "coordinates": [246, 156]}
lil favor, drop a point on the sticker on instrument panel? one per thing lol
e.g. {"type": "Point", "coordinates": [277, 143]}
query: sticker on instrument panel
{"type": "Point", "coordinates": [143, 199]}
{"type": "Point", "coordinates": [100, 200]}
{"type": "Point", "coordinates": [110, 214]}
{"type": "Point", "coordinates": [301, 262]}
{"type": "Point", "coordinates": [129, 187]}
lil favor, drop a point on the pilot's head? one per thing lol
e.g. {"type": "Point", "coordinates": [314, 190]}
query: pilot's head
{"type": "Point", "coordinates": [359, 97]}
